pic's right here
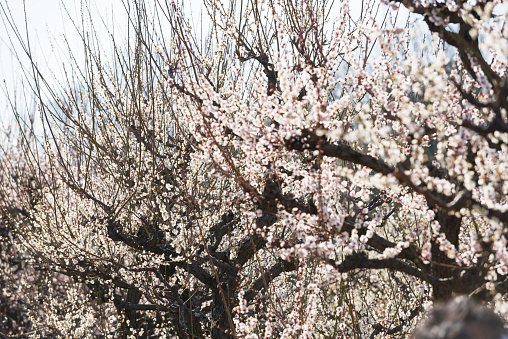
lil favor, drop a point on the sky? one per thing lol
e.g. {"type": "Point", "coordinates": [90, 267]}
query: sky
{"type": "Point", "coordinates": [48, 26]}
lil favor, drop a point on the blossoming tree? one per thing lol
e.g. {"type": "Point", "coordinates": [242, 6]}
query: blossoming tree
{"type": "Point", "coordinates": [301, 171]}
{"type": "Point", "coordinates": [14, 317]}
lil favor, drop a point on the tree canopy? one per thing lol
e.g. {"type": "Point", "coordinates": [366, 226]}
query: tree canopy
{"type": "Point", "coordinates": [298, 170]}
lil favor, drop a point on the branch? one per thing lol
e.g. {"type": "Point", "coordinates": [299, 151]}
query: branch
{"type": "Point", "coordinates": [360, 260]}
{"type": "Point", "coordinates": [462, 40]}
{"type": "Point", "coordinates": [87, 195]}
{"type": "Point", "coordinates": [268, 67]}
{"type": "Point", "coordinates": [462, 199]}
{"type": "Point", "coordinates": [249, 246]}
{"type": "Point", "coordinates": [218, 231]}
{"type": "Point", "coordinates": [308, 140]}
{"type": "Point", "coordinates": [378, 328]}
{"type": "Point", "coordinates": [142, 244]}
{"type": "Point", "coordinates": [146, 307]}
{"type": "Point", "coordinates": [379, 243]}
{"type": "Point", "coordinates": [268, 277]}
{"type": "Point", "coordinates": [495, 125]}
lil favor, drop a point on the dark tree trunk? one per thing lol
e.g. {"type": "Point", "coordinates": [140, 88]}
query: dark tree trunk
{"type": "Point", "coordinates": [442, 266]}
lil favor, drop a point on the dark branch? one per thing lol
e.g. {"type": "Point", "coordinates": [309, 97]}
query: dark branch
{"type": "Point", "coordinates": [361, 261]}
{"type": "Point", "coordinates": [143, 244]}
{"type": "Point", "coordinates": [275, 271]}
{"type": "Point", "coordinates": [378, 328]}
{"type": "Point", "coordinates": [308, 140]}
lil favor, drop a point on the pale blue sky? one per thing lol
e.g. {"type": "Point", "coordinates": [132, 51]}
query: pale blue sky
{"type": "Point", "coordinates": [50, 28]}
